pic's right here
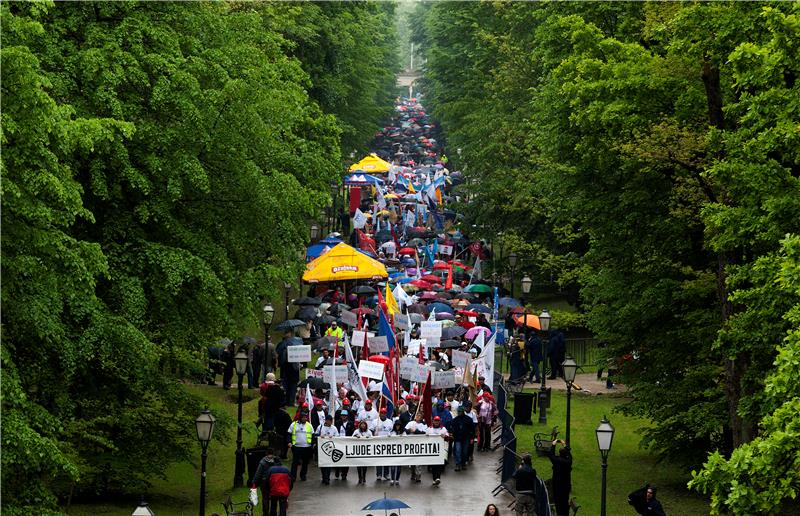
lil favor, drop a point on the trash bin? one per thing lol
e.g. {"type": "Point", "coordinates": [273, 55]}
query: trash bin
{"type": "Point", "coordinates": [523, 407]}
{"type": "Point", "coordinates": [253, 457]}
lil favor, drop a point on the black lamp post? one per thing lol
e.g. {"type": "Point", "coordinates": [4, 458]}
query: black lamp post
{"type": "Point", "coordinates": [314, 231]}
{"type": "Point", "coordinates": [269, 315]}
{"type": "Point", "coordinates": [570, 368]}
{"type": "Point", "coordinates": [286, 288]}
{"type": "Point", "coordinates": [241, 368]}
{"type": "Point", "coordinates": [512, 261]}
{"type": "Point", "coordinates": [143, 509]}
{"type": "Point", "coordinates": [204, 424]}
{"type": "Point", "coordinates": [605, 435]}
{"type": "Point", "coordinates": [544, 324]}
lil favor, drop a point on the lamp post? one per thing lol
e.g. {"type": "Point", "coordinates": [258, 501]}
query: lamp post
{"type": "Point", "coordinates": [286, 288]}
{"type": "Point", "coordinates": [512, 261]}
{"type": "Point", "coordinates": [526, 286]}
{"type": "Point", "coordinates": [605, 435]}
{"type": "Point", "coordinates": [204, 424]}
{"type": "Point", "coordinates": [570, 368]}
{"type": "Point", "coordinates": [241, 368]}
{"type": "Point", "coordinates": [269, 315]}
{"type": "Point", "coordinates": [143, 509]}
{"type": "Point", "coordinates": [314, 231]}
{"type": "Point", "coordinates": [544, 325]}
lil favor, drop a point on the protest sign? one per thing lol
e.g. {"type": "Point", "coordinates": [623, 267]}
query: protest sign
{"type": "Point", "coordinates": [401, 322]}
{"type": "Point", "coordinates": [443, 380]}
{"type": "Point", "coordinates": [370, 369]}
{"type": "Point", "coordinates": [404, 450]}
{"type": "Point", "coordinates": [431, 331]}
{"type": "Point", "coordinates": [459, 358]}
{"type": "Point", "coordinates": [359, 337]}
{"type": "Point", "coordinates": [446, 249]}
{"type": "Point", "coordinates": [341, 374]}
{"type": "Point", "coordinates": [420, 373]}
{"type": "Point", "coordinates": [413, 348]}
{"type": "Point", "coordinates": [407, 367]}
{"type": "Point", "coordinates": [378, 344]}
{"type": "Point", "coordinates": [314, 373]}
{"type": "Point", "coordinates": [301, 353]}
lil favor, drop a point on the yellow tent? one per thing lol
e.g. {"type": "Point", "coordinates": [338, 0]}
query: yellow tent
{"type": "Point", "coordinates": [371, 164]}
{"type": "Point", "coordinates": [343, 263]}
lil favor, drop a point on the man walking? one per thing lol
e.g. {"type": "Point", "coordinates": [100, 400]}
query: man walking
{"type": "Point", "coordinates": [326, 431]}
{"type": "Point", "coordinates": [463, 429]}
{"type": "Point", "coordinates": [301, 433]}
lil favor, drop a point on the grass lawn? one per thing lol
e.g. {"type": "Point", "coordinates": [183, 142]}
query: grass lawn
{"type": "Point", "coordinates": [629, 466]}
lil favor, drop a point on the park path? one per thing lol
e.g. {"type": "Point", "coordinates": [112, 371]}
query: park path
{"type": "Point", "coordinates": [460, 493]}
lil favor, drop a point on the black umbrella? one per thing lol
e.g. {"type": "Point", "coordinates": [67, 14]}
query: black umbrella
{"type": "Point", "coordinates": [306, 313]}
{"type": "Point", "coordinates": [364, 290]}
{"type": "Point", "coordinates": [289, 324]}
{"type": "Point", "coordinates": [435, 365]}
{"type": "Point", "coordinates": [324, 343]}
{"type": "Point", "coordinates": [449, 343]}
{"type": "Point", "coordinates": [307, 301]}
{"type": "Point", "coordinates": [453, 332]}
{"type": "Point", "coordinates": [329, 361]}
{"type": "Point", "coordinates": [313, 382]}
{"type": "Point", "coordinates": [325, 319]}
{"type": "Point", "coordinates": [418, 308]}
{"type": "Point", "coordinates": [383, 236]}
{"type": "Point", "coordinates": [416, 318]}
{"type": "Point", "coordinates": [336, 308]}
{"type": "Point", "coordinates": [414, 242]}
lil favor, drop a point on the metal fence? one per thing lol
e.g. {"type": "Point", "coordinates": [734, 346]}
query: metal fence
{"type": "Point", "coordinates": [586, 352]}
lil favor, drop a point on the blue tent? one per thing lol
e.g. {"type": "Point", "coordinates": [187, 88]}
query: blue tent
{"type": "Point", "coordinates": [362, 179]}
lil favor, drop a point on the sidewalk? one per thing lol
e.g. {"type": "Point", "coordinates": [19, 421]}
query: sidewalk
{"type": "Point", "coordinates": [585, 383]}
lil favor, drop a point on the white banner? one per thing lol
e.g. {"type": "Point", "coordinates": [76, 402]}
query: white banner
{"type": "Point", "coordinates": [341, 374]}
{"type": "Point", "coordinates": [401, 322]}
{"type": "Point", "coordinates": [300, 353]}
{"type": "Point", "coordinates": [405, 450]}
{"type": "Point", "coordinates": [370, 369]}
{"type": "Point", "coordinates": [431, 331]}
{"type": "Point", "coordinates": [378, 345]}
{"type": "Point", "coordinates": [459, 358]}
{"type": "Point", "coordinates": [443, 380]}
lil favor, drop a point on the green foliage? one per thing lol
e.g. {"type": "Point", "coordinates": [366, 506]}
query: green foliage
{"type": "Point", "coordinates": [160, 163]}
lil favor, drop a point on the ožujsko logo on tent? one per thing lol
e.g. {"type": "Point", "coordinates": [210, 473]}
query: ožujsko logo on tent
{"type": "Point", "coordinates": [341, 268]}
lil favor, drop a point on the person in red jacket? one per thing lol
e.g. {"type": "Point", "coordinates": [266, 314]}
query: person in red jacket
{"type": "Point", "coordinates": [276, 484]}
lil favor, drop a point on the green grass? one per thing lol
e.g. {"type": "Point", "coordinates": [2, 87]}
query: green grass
{"type": "Point", "coordinates": [629, 466]}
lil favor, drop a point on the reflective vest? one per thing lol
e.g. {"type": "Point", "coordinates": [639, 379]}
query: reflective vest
{"type": "Point", "coordinates": [309, 432]}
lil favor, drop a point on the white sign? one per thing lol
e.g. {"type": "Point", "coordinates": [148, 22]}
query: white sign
{"type": "Point", "coordinates": [420, 373]}
{"type": "Point", "coordinates": [405, 450]}
{"type": "Point", "coordinates": [401, 322]}
{"type": "Point", "coordinates": [370, 369]}
{"type": "Point", "coordinates": [341, 374]}
{"type": "Point", "coordinates": [378, 344]}
{"type": "Point", "coordinates": [431, 331]}
{"type": "Point", "coordinates": [359, 336]}
{"type": "Point", "coordinates": [300, 353]}
{"type": "Point", "coordinates": [413, 348]}
{"type": "Point", "coordinates": [407, 367]}
{"type": "Point", "coordinates": [459, 358]}
{"type": "Point", "coordinates": [446, 249]}
{"type": "Point", "coordinates": [314, 373]}
{"type": "Point", "coordinates": [443, 380]}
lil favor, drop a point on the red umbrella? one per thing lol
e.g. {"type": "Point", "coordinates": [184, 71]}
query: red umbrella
{"type": "Point", "coordinates": [363, 311]}
{"type": "Point", "coordinates": [431, 278]}
{"type": "Point", "coordinates": [421, 284]}
{"type": "Point", "coordinates": [468, 313]}
{"type": "Point", "coordinates": [407, 250]}
{"type": "Point", "coordinates": [441, 266]}
{"type": "Point", "coordinates": [428, 295]}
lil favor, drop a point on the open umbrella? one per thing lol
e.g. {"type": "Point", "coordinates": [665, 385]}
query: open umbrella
{"type": "Point", "coordinates": [325, 319]}
{"type": "Point", "coordinates": [453, 332]}
{"type": "Point", "coordinates": [531, 321]}
{"type": "Point", "coordinates": [440, 266]}
{"type": "Point", "coordinates": [476, 307]}
{"type": "Point", "coordinates": [440, 307]}
{"type": "Point", "coordinates": [363, 290]}
{"type": "Point", "coordinates": [478, 288]}
{"type": "Point", "coordinates": [468, 313]}
{"type": "Point", "coordinates": [433, 364]}
{"type": "Point", "coordinates": [444, 295]}
{"type": "Point", "coordinates": [418, 308]}
{"type": "Point", "coordinates": [450, 344]}
{"type": "Point", "coordinates": [421, 284]}
{"type": "Point", "coordinates": [473, 332]}
{"type": "Point", "coordinates": [307, 301]}
{"type": "Point", "coordinates": [325, 343]}
{"type": "Point", "coordinates": [427, 296]}
{"type": "Point", "coordinates": [313, 382]}
{"type": "Point", "coordinates": [416, 318]}
{"type": "Point", "coordinates": [386, 504]}
{"type": "Point", "coordinates": [440, 316]}
{"type": "Point", "coordinates": [289, 324]}
{"type": "Point", "coordinates": [464, 295]}
{"type": "Point", "coordinates": [363, 311]}
{"type": "Point", "coordinates": [508, 301]}
{"type": "Point", "coordinates": [431, 278]}
{"type": "Point", "coordinates": [306, 313]}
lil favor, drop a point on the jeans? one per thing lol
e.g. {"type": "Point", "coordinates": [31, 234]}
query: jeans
{"type": "Point", "coordinates": [326, 474]}
{"type": "Point", "coordinates": [534, 367]}
{"type": "Point", "coordinates": [395, 472]}
{"type": "Point", "coordinates": [461, 452]}
{"type": "Point", "coordinates": [300, 455]}
{"type": "Point", "coordinates": [277, 505]}
{"type": "Point", "coordinates": [382, 471]}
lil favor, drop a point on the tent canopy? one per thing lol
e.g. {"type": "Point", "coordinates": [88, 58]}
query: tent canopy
{"type": "Point", "coordinates": [343, 263]}
{"type": "Point", "coordinates": [372, 164]}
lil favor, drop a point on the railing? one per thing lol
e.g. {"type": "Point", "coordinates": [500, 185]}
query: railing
{"type": "Point", "coordinates": [586, 352]}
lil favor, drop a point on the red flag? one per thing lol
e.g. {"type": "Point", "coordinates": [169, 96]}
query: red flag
{"type": "Point", "coordinates": [421, 356]}
{"type": "Point", "coordinates": [427, 402]}
{"type": "Point", "coordinates": [449, 283]}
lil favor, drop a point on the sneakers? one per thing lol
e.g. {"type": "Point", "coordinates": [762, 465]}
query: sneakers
{"type": "Point", "coordinates": [436, 481]}
{"type": "Point", "coordinates": [387, 479]}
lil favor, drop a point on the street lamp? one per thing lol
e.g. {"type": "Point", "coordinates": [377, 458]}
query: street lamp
{"type": "Point", "coordinates": [314, 231]}
{"type": "Point", "coordinates": [512, 261]}
{"type": "Point", "coordinates": [287, 287]}
{"type": "Point", "coordinates": [570, 368]}
{"type": "Point", "coordinates": [204, 424]}
{"type": "Point", "coordinates": [605, 435]}
{"type": "Point", "coordinates": [269, 315]}
{"type": "Point", "coordinates": [241, 368]}
{"type": "Point", "coordinates": [526, 285]}
{"type": "Point", "coordinates": [143, 509]}
{"type": "Point", "coordinates": [544, 325]}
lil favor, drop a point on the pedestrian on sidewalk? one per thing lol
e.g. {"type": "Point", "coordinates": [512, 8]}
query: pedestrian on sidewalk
{"type": "Point", "coordinates": [487, 414]}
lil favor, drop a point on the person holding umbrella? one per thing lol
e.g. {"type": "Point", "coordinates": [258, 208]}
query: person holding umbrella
{"type": "Point", "coordinates": [290, 372]}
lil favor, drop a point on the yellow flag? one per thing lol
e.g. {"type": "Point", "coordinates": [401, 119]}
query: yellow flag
{"type": "Point", "coordinates": [391, 302]}
{"type": "Point", "coordinates": [439, 196]}
{"type": "Point", "coordinates": [411, 188]}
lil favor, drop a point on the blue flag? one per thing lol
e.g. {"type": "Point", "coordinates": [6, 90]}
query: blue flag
{"type": "Point", "coordinates": [385, 329]}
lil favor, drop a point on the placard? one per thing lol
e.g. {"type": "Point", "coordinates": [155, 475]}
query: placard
{"type": "Point", "coordinates": [431, 331]}
{"type": "Point", "coordinates": [420, 373]}
{"type": "Point", "coordinates": [401, 322]}
{"type": "Point", "coordinates": [341, 374]}
{"type": "Point", "coordinates": [402, 450]}
{"type": "Point", "coordinates": [407, 367]}
{"type": "Point", "coordinates": [314, 373]}
{"type": "Point", "coordinates": [370, 369]}
{"type": "Point", "coordinates": [459, 358]}
{"type": "Point", "coordinates": [443, 380]}
{"type": "Point", "coordinates": [378, 344]}
{"type": "Point", "coordinates": [445, 249]}
{"type": "Point", "coordinates": [298, 353]}
{"type": "Point", "coordinates": [359, 336]}
{"type": "Point", "coordinates": [349, 318]}
{"type": "Point", "coordinates": [413, 348]}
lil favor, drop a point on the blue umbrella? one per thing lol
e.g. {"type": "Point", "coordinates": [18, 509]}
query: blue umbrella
{"type": "Point", "coordinates": [440, 307]}
{"type": "Point", "coordinates": [397, 275]}
{"type": "Point", "coordinates": [508, 301]}
{"type": "Point", "coordinates": [386, 504]}
{"type": "Point", "coordinates": [477, 307]}
{"type": "Point", "coordinates": [405, 280]}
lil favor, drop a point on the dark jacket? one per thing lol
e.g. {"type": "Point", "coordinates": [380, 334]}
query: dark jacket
{"type": "Point", "coordinates": [345, 429]}
{"type": "Point", "coordinates": [463, 428]}
{"type": "Point", "coordinates": [259, 479]}
{"type": "Point", "coordinates": [562, 471]}
{"type": "Point", "coordinates": [279, 480]}
{"type": "Point", "coordinates": [534, 348]}
{"type": "Point", "coordinates": [525, 478]}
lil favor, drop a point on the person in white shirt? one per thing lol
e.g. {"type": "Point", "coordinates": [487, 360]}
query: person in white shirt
{"type": "Point", "coordinates": [417, 426]}
{"type": "Point", "coordinates": [368, 412]}
{"type": "Point", "coordinates": [301, 435]}
{"type": "Point", "coordinates": [437, 429]}
{"type": "Point", "coordinates": [326, 431]}
{"type": "Point", "coordinates": [322, 359]}
{"type": "Point", "coordinates": [454, 404]}
{"type": "Point", "coordinates": [362, 432]}
{"type": "Point", "coordinates": [381, 427]}
{"type": "Point", "coordinates": [397, 430]}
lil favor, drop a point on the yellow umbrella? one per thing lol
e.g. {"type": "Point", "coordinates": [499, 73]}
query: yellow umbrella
{"type": "Point", "coordinates": [384, 212]}
{"type": "Point", "coordinates": [391, 196]}
{"type": "Point", "coordinates": [371, 164]}
{"type": "Point", "coordinates": [343, 263]}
